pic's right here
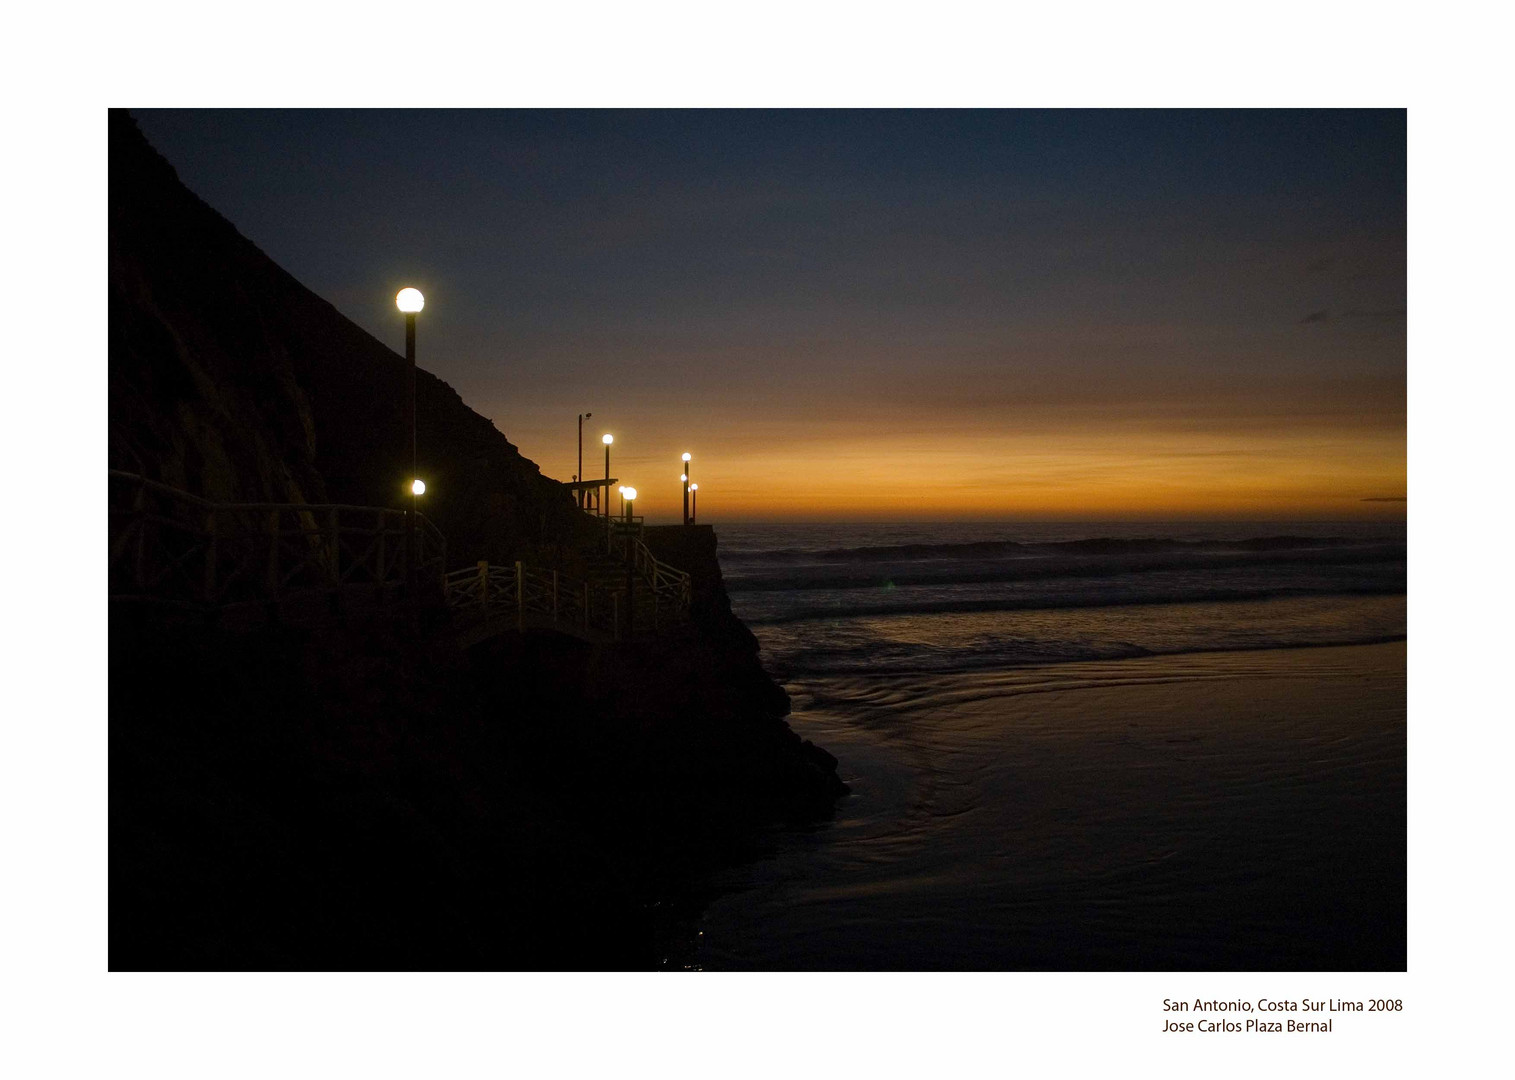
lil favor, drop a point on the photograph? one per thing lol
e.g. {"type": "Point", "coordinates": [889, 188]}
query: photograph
{"type": "Point", "coordinates": [783, 540]}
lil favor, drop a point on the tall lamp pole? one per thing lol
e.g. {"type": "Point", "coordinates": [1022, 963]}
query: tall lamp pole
{"type": "Point", "coordinates": [410, 301]}
{"type": "Point", "coordinates": [607, 439]}
{"type": "Point", "coordinates": [684, 476]}
{"type": "Point", "coordinates": [629, 495]}
{"type": "Point", "coordinates": [580, 475]}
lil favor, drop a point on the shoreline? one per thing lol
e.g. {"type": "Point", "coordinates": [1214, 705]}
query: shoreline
{"type": "Point", "coordinates": [788, 682]}
{"type": "Point", "coordinates": [939, 643]}
{"type": "Point", "coordinates": [1239, 810]}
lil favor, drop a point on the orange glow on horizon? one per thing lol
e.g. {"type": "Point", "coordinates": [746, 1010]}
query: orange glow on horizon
{"type": "Point", "coordinates": [1093, 476]}
{"type": "Point", "coordinates": [1328, 451]}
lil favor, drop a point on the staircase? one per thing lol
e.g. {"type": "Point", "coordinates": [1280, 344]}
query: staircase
{"type": "Point", "coordinates": [655, 610]}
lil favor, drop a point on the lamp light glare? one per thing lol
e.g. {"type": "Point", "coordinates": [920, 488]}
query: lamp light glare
{"type": "Point", "coordinates": [419, 487]}
{"type": "Point", "coordinates": [694, 487]}
{"type": "Point", "coordinates": [686, 457]}
{"type": "Point", "coordinates": [607, 439]}
{"type": "Point", "coordinates": [410, 300]}
{"type": "Point", "coordinates": [683, 476]}
{"type": "Point", "coordinates": [629, 493]}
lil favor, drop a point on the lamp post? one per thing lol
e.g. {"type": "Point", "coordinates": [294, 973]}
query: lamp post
{"type": "Point", "coordinates": [580, 475]}
{"type": "Point", "coordinates": [410, 301]}
{"type": "Point", "coordinates": [607, 439]}
{"type": "Point", "coordinates": [694, 503]}
{"type": "Point", "coordinates": [629, 494]}
{"type": "Point", "coordinates": [684, 476]}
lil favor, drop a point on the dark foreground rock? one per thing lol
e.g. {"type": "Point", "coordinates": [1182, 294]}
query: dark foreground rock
{"type": "Point", "coordinates": [371, 797]}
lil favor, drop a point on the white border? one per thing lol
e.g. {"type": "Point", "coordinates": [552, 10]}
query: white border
{"type": "Point", "coordinates": [72, 1018]}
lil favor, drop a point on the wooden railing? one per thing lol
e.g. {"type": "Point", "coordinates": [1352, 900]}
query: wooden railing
{"type": "Point", "coordinates": [664, 580]}
{"type": "Point", "coordinates": [525, 594]}
{"type": "Point", "coordinates": [624, 534]}
{"type": "Point", "coordinates": [169, 545]}
{"type": "Point", "coordinates": [670, 586]}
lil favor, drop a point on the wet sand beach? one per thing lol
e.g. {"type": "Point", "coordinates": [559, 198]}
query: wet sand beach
{"type": "Point", "coordinates": [1237, 810]}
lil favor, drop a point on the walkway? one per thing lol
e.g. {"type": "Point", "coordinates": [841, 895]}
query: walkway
{"type": "Point", "coordinates": [170, 547]}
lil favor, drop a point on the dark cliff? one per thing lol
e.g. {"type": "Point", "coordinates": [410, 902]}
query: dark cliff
{"type": "Point", "coordinates": [363, 793]}
{"type": "Point", "coordinates": [230, 379]}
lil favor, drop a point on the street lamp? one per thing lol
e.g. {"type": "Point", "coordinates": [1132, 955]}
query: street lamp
{"type": "Point", "coordinates": [580, 474]}
{"type": "Point", "coordinates": [607, 439]}
{"type": "Point", "coordinates": [410, 301]}
{"type": "Point", "coordinates": [629, 494]}
{"type": "Point", "coordinates": [685, 477]}
{"type": "Point", "coordinates": [694, 503]}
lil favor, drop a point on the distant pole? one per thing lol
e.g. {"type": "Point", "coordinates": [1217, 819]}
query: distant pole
{"type": "Point", "coordinates": [629, 494]}
{"type": "Point", "coordinates": [684, 476]}
{"type": "Point", "coordinates": [580, 475]}
{"type": "Point", "coordinates": [694, 504]}
{"type": "Point", "coordinates": [607, 439]}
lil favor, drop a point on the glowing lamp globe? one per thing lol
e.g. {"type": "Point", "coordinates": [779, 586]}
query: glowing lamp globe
{"type": "Point", "coordinates": [694, 487]}
{"type": "Point", "coordinates": [419, 487]}
{"type": "Point", "coordinates": [686, 457]}
{"type": "Point", "coordinates": [410, 301]}
{"type": "Point", "coordinates": [683, 476]}
{"type": "Point", "coordinates": [630, 493]}
{"type": "Point", "coordinates": [607, 439]}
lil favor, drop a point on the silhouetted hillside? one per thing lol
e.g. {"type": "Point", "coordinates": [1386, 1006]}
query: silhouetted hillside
{"type": "Point", "coordinates": [230, 379]}
{"type": "Point", "coordinates": [361, 792]}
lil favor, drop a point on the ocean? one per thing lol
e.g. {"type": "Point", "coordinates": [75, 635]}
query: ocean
{"type": "Point", "coordinates": [1078, 746]}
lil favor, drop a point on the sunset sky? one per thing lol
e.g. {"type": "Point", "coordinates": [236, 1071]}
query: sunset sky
{"type": "Point", "coordinates": [895, 315]}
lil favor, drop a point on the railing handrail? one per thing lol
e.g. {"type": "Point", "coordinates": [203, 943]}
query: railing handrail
{"type": "Point", "coordinates": [659, 574]}
{"type": "Point", "coordinates": [174, 545]}
{"type": "Point", "coordinates": [193, 553]}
